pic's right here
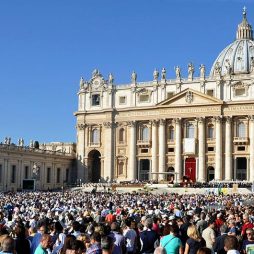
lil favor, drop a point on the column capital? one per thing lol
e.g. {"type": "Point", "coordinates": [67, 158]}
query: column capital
{"type": "Point", "coordinates": [200, 120]}
{"type": "Point", "coordinates": [154, 123]}
{"type": "Point", "coordinates": [162, 121]}
{"type": "Point", "coordinates": [217, 119]}
{"type": "Point", "coordinates": [108, 124]}
{"type": "Point", "coordinates": [177, 120]}
{"type": "Point", "coordinates": [228, 119]}
{"type": "Point", "coordinates": [251, 118]}
{"type": "Point", "coordinates": [81, 126]}
{"type": "Point", "coordinates": [131, 123]}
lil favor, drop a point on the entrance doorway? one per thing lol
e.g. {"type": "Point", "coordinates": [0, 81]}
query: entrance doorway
{"type": "Point", "coordinates": [241, 168]}
{"type": "Point", "coordinates": [210, 174]}
{"type": "Point", "coordinates": [144, 169]}
{"type": "Point", "coordinates": [190, 169]}
{"type": "Point", "coordinates": [171, 176]}
{"type": "Point", "coordinates": [94, 158]}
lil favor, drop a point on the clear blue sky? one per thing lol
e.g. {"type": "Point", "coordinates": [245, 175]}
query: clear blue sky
{"type": "Point", "coordinates": [47, 45]}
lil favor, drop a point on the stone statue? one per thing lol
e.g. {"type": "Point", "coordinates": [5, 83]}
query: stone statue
{"type": "Point", "coordinates": [178, 72]}
{"type": "Point", "coordinates": [6, 141]}
{"type": "Point", "coordinates": [81, 83]}
{"type": "Point", "coordinates": [134, 77]}
{"type": "Point", "coordinates": [110, 78]}
{"type": "Point", "coordinates": [9, 141]}
{"type": "Point", "coordinates": [155, 74]}
{"type": "Point", "coordinates": [95, 73]}
{"type": "Point", "coordinates": [202, 71]}
{"type": "Point", "coordinates": [217, 69]}
{"type": "Point", "coordinates": [190, 71]}
{"type": "Point", "coordinates": [228, 67]}
{"type": "Point", "coordinates": [163, 73]}
{"type": "Point", "coordinates": [31, 144]}
{"type": "Point", "coordinates": [21, 142]}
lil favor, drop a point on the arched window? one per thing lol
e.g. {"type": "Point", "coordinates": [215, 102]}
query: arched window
{"type": "Point", "coordinates": [145, 134]}
{"type": "Point", "coordinates": [210, 131]}
{"type": "Point", "coordinates": [171, 133]}
{"type": "Point", "coordinates": [241, 130]}
{"type": "Point", "coordinates": [95, 136]}
{"type": "Point", "coordinates": [120, 168]}
{"type": "Point", "coordinates": [121, 135]}
{"type": "Point", "coordinates": [190, 131]}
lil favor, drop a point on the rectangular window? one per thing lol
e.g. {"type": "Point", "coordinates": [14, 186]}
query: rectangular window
{"type": "Point", "coordinates": [1, 172]}
{"type": "Point", "coordinates": [26, 172]}
{"type": "Point", "coordinates": [13, 174]}
{"type": "Point", "coordinates": [48, 174]}
{"type": "Point", "coordinates": [144, 98]}
{"type": "Point", "coordinates": [144, 150]}
{"type": "Point", "coordinates": [171, 149]}
{"type": "Point", "coordinates": [210, 92]}
{"type": "Point", "coordinates": [122, 100]}
{"type": "Point", "coordinates": [210, 149]}
{"type": "Point", "coordinates": [58, 174]}
{"type": "Point", "coordinates": [170, 95]}
{"type": "Point", "coordinates": [241, 148]}
{"type": "Point", "coordinates": [96, 100]}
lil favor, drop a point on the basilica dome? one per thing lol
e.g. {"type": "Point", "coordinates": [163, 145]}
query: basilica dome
{"type": "Point", "coordinates": [238, 57]}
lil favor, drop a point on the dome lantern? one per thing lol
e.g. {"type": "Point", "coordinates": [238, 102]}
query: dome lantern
{"type": "Point", "coordinates": [244, 30]}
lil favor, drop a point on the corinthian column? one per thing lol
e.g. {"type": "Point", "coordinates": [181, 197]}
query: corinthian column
{"type": "Point", "coordinates": [201, 149]}
{"type": "Point", "coordinates": [154, 150]}
{"type": "Point", "coordinates": [132, 170]}
{"type": "Point", "coordinates": [178, 150]}
{"type": "Point", "coordinates": [251, 178]}
{"type": "Point", "coordinates": [228, 150]}
{"type": "Point", "coordinates": [81, 151]}
{"type": "Point", "coordinates": [218, 154]}
{"type": "Point", "coordinates": [108, 152]}
{"type": "Point", "coordinates": [162, 147]}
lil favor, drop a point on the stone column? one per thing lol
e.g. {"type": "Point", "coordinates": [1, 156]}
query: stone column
{"type": "Point", "coordinates": [154, 149]}
{"type": "Point", "coordinates": [201, 149]}
{"type": "Point", "coordinates": [218, 153]}
{"type": "Point", "coordinates": [108, 150]}
{"type": "Point", "coordinates": [228, 149]}
{"type": "Point", "coordinates": [80, 151]}
{"type": "Point", "coordinates": [132, 165]}
{"type": "Point", "coordinates": [251, 134]}
{"type": "Point", "coordinates": [162, 147]}
{"type": "Point", "coordinates": [178, 149]}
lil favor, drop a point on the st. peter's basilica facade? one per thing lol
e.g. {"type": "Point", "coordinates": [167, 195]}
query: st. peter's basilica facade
{"type": "Point", "coordinates": [200, 127]}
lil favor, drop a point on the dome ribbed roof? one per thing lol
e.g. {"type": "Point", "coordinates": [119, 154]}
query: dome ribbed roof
{"type": "Point", "coordinates": [237, 58]}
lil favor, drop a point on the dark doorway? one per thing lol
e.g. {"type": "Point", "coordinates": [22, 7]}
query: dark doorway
{"type": "Point", "coordinates": [210, 174]}
{"type": "Point", "coordinates": [95, 166]}
{"type": "Point", "coordinates": [241, 168]}
{"type": "Point", "coordinates": [171, 176]}
{"type": "Point", "coordinates": [144, 170]}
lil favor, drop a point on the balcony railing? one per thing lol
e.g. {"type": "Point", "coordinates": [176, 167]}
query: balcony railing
{"type": "Point", "coordinates": [210, 140]}
{"type": "Point", "coordinates": [95, 144]}
{"type": "Point", "coordinates": [241, 140]}
{"type": "Point", "coordinates": [170, 141]}
{"type": "Point", "coordinates": [144, 142]}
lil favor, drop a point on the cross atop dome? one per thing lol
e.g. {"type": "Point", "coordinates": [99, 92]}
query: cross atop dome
{"type": "Point", "coordinates": [244, 30]}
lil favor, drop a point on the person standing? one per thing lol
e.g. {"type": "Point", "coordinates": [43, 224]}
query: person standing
{"type": "Point", "coordinates": [44, 244]}
{"type": "Point", "coordinates": [209, 235]}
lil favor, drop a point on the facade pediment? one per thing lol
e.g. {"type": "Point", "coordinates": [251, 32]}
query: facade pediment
{"type": "Point", "coordinates": [190, 97]}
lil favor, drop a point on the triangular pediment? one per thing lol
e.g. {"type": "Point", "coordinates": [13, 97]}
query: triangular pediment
{"type": "Point", "coordinates": [190, 97]}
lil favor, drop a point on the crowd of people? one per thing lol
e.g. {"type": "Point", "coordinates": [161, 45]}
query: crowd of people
{"type": "Point", "coordinates": [127, 223]}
